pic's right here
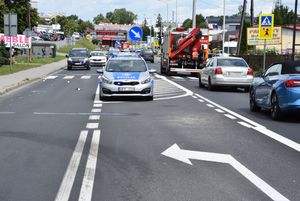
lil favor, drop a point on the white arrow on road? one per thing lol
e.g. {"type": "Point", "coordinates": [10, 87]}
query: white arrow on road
{"type": "Point", "coordinates": [136, 34]}
{"type": "Point", "coordinates": [186, 155]}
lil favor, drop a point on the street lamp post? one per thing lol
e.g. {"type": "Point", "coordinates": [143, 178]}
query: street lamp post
{"type": "Point", "coordinates": [194, 14]}
{"type": "Point", "coordinates": [223, 48]}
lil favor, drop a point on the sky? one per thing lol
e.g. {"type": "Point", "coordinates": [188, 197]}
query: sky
{"type": "Point", "coordinates": [149, 9]}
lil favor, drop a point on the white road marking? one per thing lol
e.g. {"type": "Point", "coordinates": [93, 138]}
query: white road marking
{"type": "Point", "coordinates": [200, 100]}
{"type": "Point", "coordinates": [69, 77]}
{"type": "Point", "coordinates": [98, 105]}
{"type": "Point", "coordinates": [186, 155]}
{"type": "Point", "coordinates": [85, 77]}
{"type": "Point", "coordinates": [51, 77]}
{"type": "Point", "coordinates": [209, 105]}
{"type": "Point", "coordinates": [94, 117]}
{"type": "Point", "coordinates": [90, 169]}
{"type": "Point", "coordinates": [194, 96]}
{"type": "Point", "coordinates": [69, 177]}
{"type": "Point", "coordinates": [245, 124]}
{"type": "Point", "coordinates": [96, 100]}
{"type": "Point", "coordinates": [96, 110]}
{"type": "Point", "coordinates": [54, 113]}
{"type": "Point", "coordinates": [219, 110]}
{"type": "Point", "coordinates": [258, 127]}
{"type": "Point", "coordinates": [92, 125]}
{"type": "Point", "coordinates": [7, 112]}
{"type": "Point", "coordinates": [230, 116]}
{"type": "Point", "coordinates": [177, 77]}
{"type": "Point", "coordinates": [193, 78]}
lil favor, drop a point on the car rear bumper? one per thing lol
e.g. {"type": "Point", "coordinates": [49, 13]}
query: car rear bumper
{"type": "Point", "coordinates": [231, 81]}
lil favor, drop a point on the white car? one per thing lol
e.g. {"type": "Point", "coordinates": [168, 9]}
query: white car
{"type": "Point", "coordinates": [97, 58]}
{"type": "Point", "coordinates": [76, 36]}
{"type": "Point", "coordinates": [226, 71]}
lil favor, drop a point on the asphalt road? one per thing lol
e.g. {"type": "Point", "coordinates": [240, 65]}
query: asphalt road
{"type": "Point", "coordinates": [59, 142]}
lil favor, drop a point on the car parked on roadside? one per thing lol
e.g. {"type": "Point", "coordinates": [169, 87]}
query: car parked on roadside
{"type": "Point", "coordinates": [277, 89]}
{"type": "Point", "coordinates": [78, 57]}
{"type": "Point", "coordinates": [97, 58]}
{"type": "Point", "coordinates": [126, 76]}
{"type": "Point", "coordinates": [226, 71]}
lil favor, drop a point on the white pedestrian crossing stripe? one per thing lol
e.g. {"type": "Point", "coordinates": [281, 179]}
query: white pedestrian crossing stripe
{"type": "Point", "coordinates": [68, 77]}
{"type": "Point", "coordinates": [85, 77]}
{"type": "Point", "coordinates": [177, 78]}
{"type": "Point", "coordinates": [193, 78]}
{"type": "Point", "coordinates": [51, 77]}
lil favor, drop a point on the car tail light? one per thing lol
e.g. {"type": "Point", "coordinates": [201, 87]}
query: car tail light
{"type": "Point", "coordinates": [292, 83]}
{"type": "Point", "coordinates": [218, 71]}
{"type": "Point", "coordinates": [250, 71]}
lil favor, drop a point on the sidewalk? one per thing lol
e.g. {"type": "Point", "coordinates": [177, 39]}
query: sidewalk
{"type": "Point", "coordinates": [10, 82]}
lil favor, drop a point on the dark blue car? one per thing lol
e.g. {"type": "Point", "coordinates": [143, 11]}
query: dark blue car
{"type": "Point", "coordinates": [277, 90]}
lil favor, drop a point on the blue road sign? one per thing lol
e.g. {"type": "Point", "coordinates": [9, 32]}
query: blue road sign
{"type": "Point", "coordinates": [266, 21]}
{"type": "Point", "coordinates": [117, 43]}
{"type": "Point", "coordinates": [135, 33]}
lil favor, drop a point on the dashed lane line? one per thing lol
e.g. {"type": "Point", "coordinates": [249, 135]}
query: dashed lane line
{"type": "Point", "coordinates": [69, 77]}
{"type": "Point", "coordinates": [245, 124]}
{"type": "Point", "coordinates": [70, 174]}
{"type": "Point", "coordinates": [92, 125]}
{"type": "Point", "coordinates": [85, 77]}
{"type": "Point", "coordinates": [95, 110]}
{"type": "Point", "coordinates": [209, 105]}
{"type": "Point", "coordinates": [230, 116]}
{"type": "Point", "coordinates": [94, 117]}
{"type": "Point", "coordinates": [219, 110]}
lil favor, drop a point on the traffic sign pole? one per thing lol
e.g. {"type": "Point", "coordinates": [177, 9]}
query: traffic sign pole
{"type": "Point", "coordinates": [264, 65]}
{"type": "Point", "coordinates": [10, 45]}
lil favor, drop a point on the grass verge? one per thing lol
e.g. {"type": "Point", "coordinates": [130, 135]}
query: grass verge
{"type": "Point", "coordinates": [82, 43]}
{"type": "Point", "coordinates": [22, 64]}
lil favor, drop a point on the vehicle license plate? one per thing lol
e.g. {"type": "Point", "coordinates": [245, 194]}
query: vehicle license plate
{"type": "Point", "coordinates": [77, 63]}
{"type": "Point", "coordinates": [126, 89]}
{"type": "Point", "coordinates": [235, 74]}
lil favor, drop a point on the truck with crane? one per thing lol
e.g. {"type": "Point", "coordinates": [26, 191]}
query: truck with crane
{"type": "Point", "coordinates": [184, 52]}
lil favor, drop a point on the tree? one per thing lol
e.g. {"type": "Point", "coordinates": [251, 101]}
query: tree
{"type": "Point", "coordinates": [99, 18]}
{"type": "Point", "coordinates": [244, 46]}
{"type": "Point", "coordinates": [159, 25]}
{"type": "Point", "coordinates": [146, 30]}
{"type": "Point", "coordinates": [283, 16]}
{"type": "Point", "coordinates": [83, 25]}
{"type": "Point", "coordinates": [121, 16]}
{"type": "Point", "coordinates": [19, 7]}
{"type": "Point", "coordinates": [70, 27]}
{"type": "Point", "coordinates": [4, 54]}
{"type": "Point", "coordinates": [200, 22]}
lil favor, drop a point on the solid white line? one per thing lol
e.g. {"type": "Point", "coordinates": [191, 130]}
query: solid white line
{"type": "Point", "coordinates": [92, 125]}
{"type": "Point", "coordinates": [230, 116]}
{"type": "Point", "coordinates": [85, 77]}
{"type": "Point", "coordinates": [209, 105]}
{"type": "Point", "coordinates": [258, 127]}
{"type": "Point", "coordinates": [90, 169]}
{"type": "Point", "coordinates": [54, 113]}
{"type": "Point", "coordinates": [245, 124]}
{"type": "Point", "coordinates": [69, 177]}
{"type": "Point", "coordinates": [69, 77]}
{"type": "Point", "coordinates": [219, 110]}
{"type": "Point", "coordinates": [94, 117]}
{"type": "Point", "coordinates": [96, 100]}
{"type": "Point", "coordinates": [96, 110]}
{"type": "Point", "coordinates": [98, 105]}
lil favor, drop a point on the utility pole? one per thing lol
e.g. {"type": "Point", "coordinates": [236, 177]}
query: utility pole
{"type": "Point", "coordinates": [194, 14]}
{"type": "Point", "coordinates": [223, 41]}
{"type": "Point", "coordinates": [28, 14]}
{"type": "Point", "coordinates": [252, 13]}
{"type": "Point", "coordinates": [294, 31]}
{"type": "Point", "coordinates": [241, 27]}
{"type": "Point", "coordinates": [176, 12]}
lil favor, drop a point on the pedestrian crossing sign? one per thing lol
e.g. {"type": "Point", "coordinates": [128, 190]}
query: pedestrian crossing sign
{"type": "Point", "coordinates": [266, 24]}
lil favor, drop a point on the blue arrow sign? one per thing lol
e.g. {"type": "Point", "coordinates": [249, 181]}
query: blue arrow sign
{"type": "Point", "coordinates": [135, 33]}
{"type": "Point", "coordinates": [117, 43]}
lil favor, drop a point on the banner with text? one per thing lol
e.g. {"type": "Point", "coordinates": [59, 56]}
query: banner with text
{"type": "Point", "coordinates": [19, 41]}
{"type": "Point", "coordinates": [253, 39]}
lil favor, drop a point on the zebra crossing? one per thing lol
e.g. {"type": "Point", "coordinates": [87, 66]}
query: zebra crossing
{"type": "Point", "coordinates": [86, 77]}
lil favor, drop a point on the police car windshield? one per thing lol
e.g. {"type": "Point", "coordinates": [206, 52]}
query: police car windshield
{"type": "Point", "coordinates": [126, 66]}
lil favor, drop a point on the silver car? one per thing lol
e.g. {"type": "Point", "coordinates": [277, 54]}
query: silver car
{"type": "Point", "coordinates": [226, 71]}
{"type": "Point", "coordinates": [126, 76]}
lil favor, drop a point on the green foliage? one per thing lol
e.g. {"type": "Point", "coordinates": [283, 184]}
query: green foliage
{"type": "Point", "coordinates": [244, 46]}
{"type": "Point", "coordinates": [200, 22]}
{"type": "Point", "coordinates": [146, 30]}
{"type": "Point", "coordinates": [158, 24]}
{"type": "Point", "coordinates": [100, 18]}
{"type": "Point", "coordinates": [283, 16]}
{"type": "Point", "coordinates": [82, 43]}
{"type": "Point", "coordinates": [121, 16]}
{"type": "Point", "coordinates": [4, 54]}
{"type": "Point", "coordinates": [83, 25]}
{"type": "Point", "coordinates": [70, 27]}
{"type": "Point", "coordinates": [19, 7]}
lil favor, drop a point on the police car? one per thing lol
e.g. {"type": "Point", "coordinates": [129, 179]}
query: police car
{"type": "Point", "coordinates": [126, 76]}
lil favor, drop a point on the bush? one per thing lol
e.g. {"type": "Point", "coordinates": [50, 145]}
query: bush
{"type": "Point", "coordinates": [4, 54]}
